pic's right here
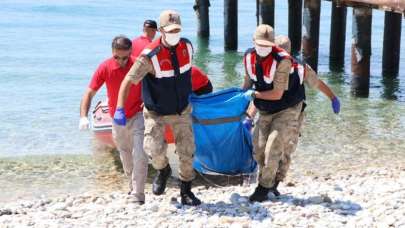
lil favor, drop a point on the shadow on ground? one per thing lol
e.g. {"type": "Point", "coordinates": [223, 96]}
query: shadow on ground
{"type": "Point", "coordinates": [345, 208]}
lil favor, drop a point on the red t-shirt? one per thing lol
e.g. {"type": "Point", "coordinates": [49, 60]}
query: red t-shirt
{"type": "Point", "coordinates": [112, 74]}
{"type": "Point", "coordinates": [138, 44]}
{"type": "Point", "coordinates": [198, 78]}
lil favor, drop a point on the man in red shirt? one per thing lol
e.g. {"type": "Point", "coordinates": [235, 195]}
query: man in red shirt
{"type": "Point", "coordinates": [128, 138]}
{"type": "Point", "coordinates": [139, 43]}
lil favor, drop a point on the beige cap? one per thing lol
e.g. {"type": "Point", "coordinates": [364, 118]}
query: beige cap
{"type": "Point", "coordinates": [169, 20]}
{"type": "Point", "coordinates": [283, 42]}
{"type": "Point", "coordinates": [264, 35]}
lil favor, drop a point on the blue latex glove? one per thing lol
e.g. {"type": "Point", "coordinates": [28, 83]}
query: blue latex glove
{"type": "Point", "coordinates": [248, 123]}
{"type": "Point", "coordinates": [249, 94]}
{"type": "Point", "coordinates": [336, 105]}
{"type": "Point", "coordinates": [119, 117]}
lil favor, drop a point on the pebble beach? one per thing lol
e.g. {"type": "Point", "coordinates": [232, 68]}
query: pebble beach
{"type": "Point", "coordinates": [372, 197]}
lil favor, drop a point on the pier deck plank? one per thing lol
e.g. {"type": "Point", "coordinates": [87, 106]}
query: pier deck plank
{"type": "Point", "coordinates": [386, 5]}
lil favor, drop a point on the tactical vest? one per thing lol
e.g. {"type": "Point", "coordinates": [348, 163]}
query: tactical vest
{"type": "Point", "coordinates": [262, 75]}
{"type": "Point", "coordinates": [167, 91]}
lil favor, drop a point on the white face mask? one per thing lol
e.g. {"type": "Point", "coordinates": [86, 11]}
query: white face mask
{"type": "Point", "coordinates": [263, 51]}
{"type": "Point", "coordinates": [172, 38]}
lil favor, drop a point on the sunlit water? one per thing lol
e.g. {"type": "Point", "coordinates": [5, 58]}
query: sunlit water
{"type": "Point", "coordinates": [51, 48]}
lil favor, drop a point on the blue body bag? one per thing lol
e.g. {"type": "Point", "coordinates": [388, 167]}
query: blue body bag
{"type": "Point", "coordinates": [223, 144]}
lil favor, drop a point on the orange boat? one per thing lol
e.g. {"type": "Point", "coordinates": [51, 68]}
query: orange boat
{"type": "Point", "coordinates": [102, 125]}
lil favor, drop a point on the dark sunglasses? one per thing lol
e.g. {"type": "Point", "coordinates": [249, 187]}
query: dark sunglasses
{"type": "Point", "coordinates": [116, 57]}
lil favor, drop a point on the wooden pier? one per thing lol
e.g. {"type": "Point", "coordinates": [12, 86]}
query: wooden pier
{"type": "Point", "coordinates": [305, 16]}
{"type": "Point", "coordinates": [337, 37]}
{"type": "Point", "coordinates": [295, 25]}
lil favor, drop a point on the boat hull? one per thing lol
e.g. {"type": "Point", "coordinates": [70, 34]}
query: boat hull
{"type": "Point", "coordinates": [102, 126]}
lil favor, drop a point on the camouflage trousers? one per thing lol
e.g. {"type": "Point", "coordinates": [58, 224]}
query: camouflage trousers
{"type": "Point", "coordinates": [275, 137]}
{"type": "Point", "coordinates": [301, 121]}
{"type": "Point", "coordinates": [156, 146]}
{"type": "Point", "coordinates": [299, 129]}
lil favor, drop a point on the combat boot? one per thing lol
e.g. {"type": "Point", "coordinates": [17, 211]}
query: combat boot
{"type": "Point", "coordinates": [260, 194]}
{"type": "Point", "coordinates": [187, 197]}
{"type": "Point", "coordinates": [159, 182]}
{"type": "Point", "coordinates": [274, 189]}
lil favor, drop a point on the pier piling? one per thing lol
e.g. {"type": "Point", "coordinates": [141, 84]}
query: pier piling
{"type": "Point", "coordinates": [266, 12]}
{"type": "Point", "coordinates": [231, 24]}
{"type": "Point", "coordinates": [337, 38]}
{"type": "Point", "coordinates": [361, 51]}
{"type": "Point", "coordinates": [201, 7]}
{"type": "Point", "coordinates": [295, 25]}
{"type": "Point", "coordinates": [310, 36]}
{"type": "Point", "coordinates": [392, 43]}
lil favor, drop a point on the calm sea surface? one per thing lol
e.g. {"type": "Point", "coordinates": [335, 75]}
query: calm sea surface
{"type": "Point", "coordinates": [50, 48]}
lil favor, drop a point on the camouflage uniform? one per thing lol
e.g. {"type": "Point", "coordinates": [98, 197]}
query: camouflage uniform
{"type": "Point", "coordinates": [311, 80]}
{"type": "Point", "coordinates": [274, 165]}
{"type": "Point", "coordinates": [287, 124]}
{"type": "Point", "coordinates": [154, 143]}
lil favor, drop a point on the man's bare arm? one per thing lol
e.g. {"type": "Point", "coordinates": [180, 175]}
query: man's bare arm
{"type": "Point", "coordinates": [86, 102]}
{"type": "Point", "coordinates": [247, 83]}
{"type": "Point", "coordinates": [280, 82]}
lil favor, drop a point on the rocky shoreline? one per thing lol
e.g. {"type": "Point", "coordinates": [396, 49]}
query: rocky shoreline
{"type": "Point", "coordinates": [374, 197]}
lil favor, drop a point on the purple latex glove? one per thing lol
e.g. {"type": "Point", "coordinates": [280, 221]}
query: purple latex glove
{"type": "Point", "coordinates": [336, 105]}
{"type": "Point", "coordinates": [248, 123]}
{"type": "Point", "coordinates": [119, 117]}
